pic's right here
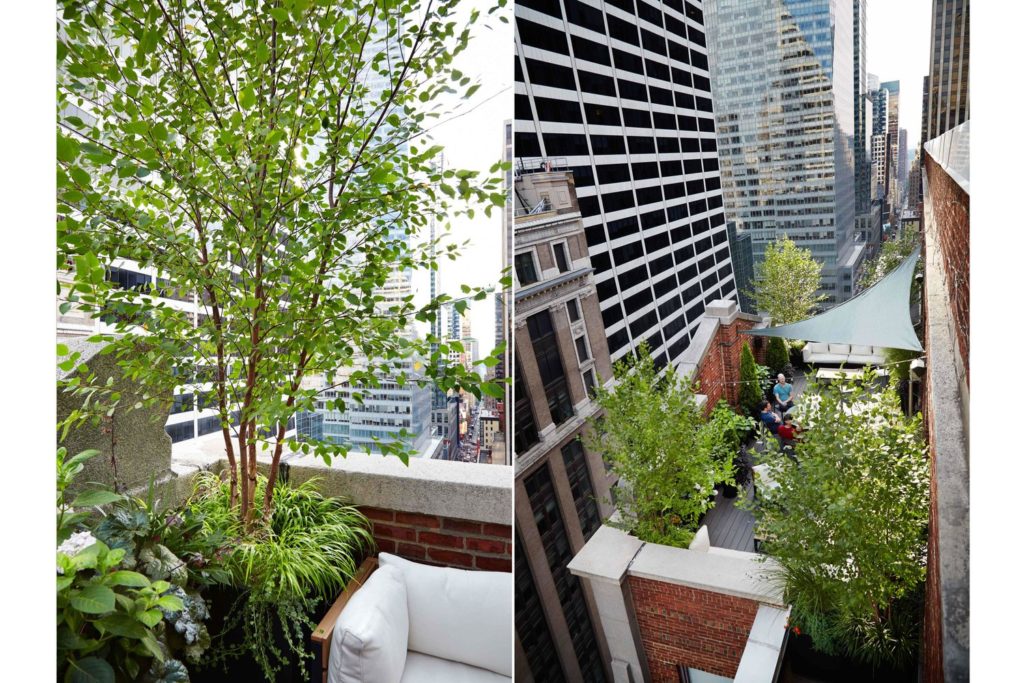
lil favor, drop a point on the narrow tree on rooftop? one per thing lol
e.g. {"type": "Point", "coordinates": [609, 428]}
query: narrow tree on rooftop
{"type": "Point", "coordinates": [650, 433]}
{"type": "Point", "coordinates": [785, 282]}
{"type": "Point", "coordinates": [776, 355]}
{"type": "Point", "coordinates": [847, 523]}
{"type": "Point", "coordinates": [271, 158]}
{"type": "Point", "coordinates": [750, 395]}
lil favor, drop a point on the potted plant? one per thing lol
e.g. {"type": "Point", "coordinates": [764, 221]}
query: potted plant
{"type": "Point", "coordinates": [722, 436]}
{"type": "Point", "coordinates": [282, 581]}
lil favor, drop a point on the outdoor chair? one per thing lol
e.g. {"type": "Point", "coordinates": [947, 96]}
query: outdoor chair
{"type": "Point", "coordinates": [405, 622]}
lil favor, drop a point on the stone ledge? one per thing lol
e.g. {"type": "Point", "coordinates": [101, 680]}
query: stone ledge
{"type": "Point", "coordinates": [762, 656]}
{"type": "Point", "coordinates": [475, 492]}
{"type": "Point", "coordinates": [606, 556]}
{"type": "Point", "coordinates": [739, 576]}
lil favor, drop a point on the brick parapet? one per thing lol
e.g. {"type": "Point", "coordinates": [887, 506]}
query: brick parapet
{"type": "Point", "coordinates": [443, 541]}
{"type": "Point", "coordinates": [680, 625]}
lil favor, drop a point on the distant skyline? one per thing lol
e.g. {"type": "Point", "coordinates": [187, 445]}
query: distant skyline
{"type": "Point", "coordinates": [899, 40]}
{"type": "Point", "coordinates": [475, 141]}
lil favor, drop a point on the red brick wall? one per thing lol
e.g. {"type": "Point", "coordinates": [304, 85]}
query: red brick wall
{"type": "Point", "coordinates": [442, 540]}
{"type": "Point", "coordinates": [720, 369]}
{"type": "Point", "coordinates": [695, 628]}
{"type": "Point", "coordinates": [951, 210]}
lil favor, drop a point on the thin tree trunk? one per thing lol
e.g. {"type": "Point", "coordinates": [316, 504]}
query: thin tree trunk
{"type": "Point", "coordinates": [250, 512]}
{"type": "Point", "coordinates": [246, 498]}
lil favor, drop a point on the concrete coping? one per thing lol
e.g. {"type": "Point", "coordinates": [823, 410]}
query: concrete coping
{"type": "Point", "coordinates": [473, 492]}
{"type": "Point", "coordinates": [762, 656]}
{"type": "Point", "coordinates": [606, 556]}
{"type": "Point", "coordinates": [743, 575]}
{"type": "Point", "coordinates": [724, 309]}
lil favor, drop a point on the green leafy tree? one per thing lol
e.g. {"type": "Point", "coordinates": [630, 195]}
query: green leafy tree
{"type": "Point", "coordinates": [785, 282]}
{"type": "Point", "coordinates": [847, 523]}
{"type": "Point", "coordinates": [650, 434]}
{"type": "Point", "coordinates": [777, 355]}
{"type": "Point", "coordinates": [891, 254]}
{"type": "Point", "coordinates": [271, 159]}
{"type": "Point", "coordinates": [750, 395]}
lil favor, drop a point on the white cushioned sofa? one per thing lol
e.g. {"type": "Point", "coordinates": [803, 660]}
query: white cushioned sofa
{"type": "Point", "coordinates": [405, 622]}
{"type": "Point", "coordinates": [822, 353]}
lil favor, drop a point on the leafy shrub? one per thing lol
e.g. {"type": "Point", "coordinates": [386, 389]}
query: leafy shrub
{"type": "Point", "coordinates": [848, 523]}
{"type": "Point", "coordinates": [109, 620]}
{"type": "Point", "coordinates": [651, 436]}
{"type": "Point", "coordinates": [306, 553]}
{"type": "Point", "coordinates": [724, 431]}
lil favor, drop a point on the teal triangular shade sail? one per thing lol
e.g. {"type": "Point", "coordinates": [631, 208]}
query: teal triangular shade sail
{"type": "Point", "coordinates": [878, 316]}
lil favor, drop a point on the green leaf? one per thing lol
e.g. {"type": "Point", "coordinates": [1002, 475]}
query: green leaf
{"type": "Point", "coordinates": [62, 350]}
{"type": "Point", "coordinates": [67, 149]}
{"type": "Point", "coordinates": [247, 97]}
{"type": "Point", "coordinates": [93, 600]}
{"type": "Point", "coordinates": [150, 617]}
{"type": "Point", "coordinates": [171, 603]}
{"type": "Point", "coordinates": [63, 582]}
{"type": "Point", "coordinates": [493, 389]}
{"type": "Point", "coordinates": [90, 670]}
{"type": "Point", "coordinates": [123, 625]}
{"type": "Point", "coordinates": [126, 578]}
{"type": "Point", "coordinates": [95, 497]}
{"type": "Point", "coordinates": [151, 644]}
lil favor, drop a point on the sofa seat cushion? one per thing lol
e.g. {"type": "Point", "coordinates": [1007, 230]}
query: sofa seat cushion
{"type": "Point", "coordinates": [421, 668]}
{"type": "Point", "coordinates": [460, 615]}
{"type": "Point", "coordinates": [827, 359]}
{"type": "Point", "coordinates": [372, 633]}
{"type": "Point", "coordinates": [864, 360]}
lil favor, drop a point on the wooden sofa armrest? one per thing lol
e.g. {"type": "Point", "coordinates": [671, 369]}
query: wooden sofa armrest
{"type": "Point", "coordinates": [324, 631]}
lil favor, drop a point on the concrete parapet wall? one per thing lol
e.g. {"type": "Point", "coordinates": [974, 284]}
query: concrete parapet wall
{"type": "Point", "coordinates": [455, 490]}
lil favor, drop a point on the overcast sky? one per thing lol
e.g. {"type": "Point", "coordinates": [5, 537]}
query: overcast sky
{"type": "Point", "coordinates": [898, 46]}
{"type": "Point", "coordinates": [475, 141]}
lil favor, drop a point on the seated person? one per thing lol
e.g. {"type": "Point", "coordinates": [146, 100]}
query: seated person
{"type": "Point", "coordinates": [787, 431]}
{"type": "Point", "coordinates": [769, 418]}
{"type": "Point", "coordinates": [783, 393]}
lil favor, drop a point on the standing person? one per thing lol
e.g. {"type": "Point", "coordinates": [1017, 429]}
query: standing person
{"type": "Point", "coordinates": [783, 393]}
{"type": "Point", "coordinates": [769, 418]}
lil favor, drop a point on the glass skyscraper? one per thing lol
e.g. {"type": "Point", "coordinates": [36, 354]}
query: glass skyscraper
{"type": "Point", "coordinates": [783, 74]}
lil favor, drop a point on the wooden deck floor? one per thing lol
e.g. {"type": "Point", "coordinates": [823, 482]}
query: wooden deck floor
{"type": "Point", "coordinates": [730, 527]}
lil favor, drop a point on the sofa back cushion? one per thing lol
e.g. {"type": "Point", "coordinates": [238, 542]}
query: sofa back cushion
{"type": "Point", "coordinates": [371, 636]}
{"type": "Point", "coordinates": [465, 616]}
{"type": "Point", "coordinates": [858, 350]}
{"type": "Point", "coordinates": [839, 348]}
{"type": "Point", "coordinates": [817, 347]}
